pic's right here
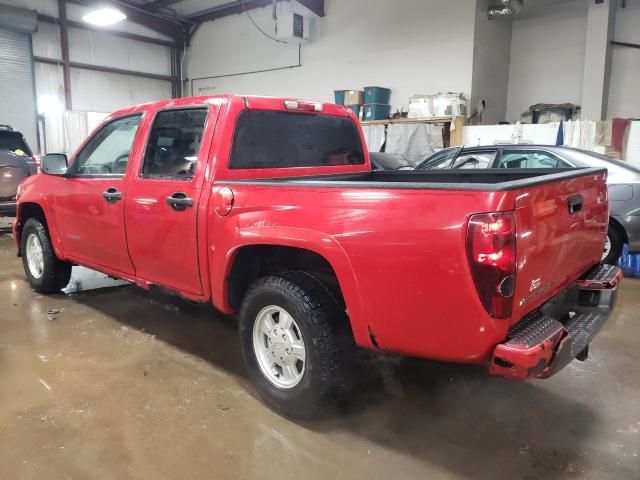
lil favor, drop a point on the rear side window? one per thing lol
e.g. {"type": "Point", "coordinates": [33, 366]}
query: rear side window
{"type": "Point", "coordinates": [14, 142]}
{"type": "Point", "coordinates": [174, 144]}
{"type": "Point", "coordinates": [270, 139]}
{"type": "Point", "coordinates": [530, 159]}
{"type": "Point", "coordinates": [474, 160]}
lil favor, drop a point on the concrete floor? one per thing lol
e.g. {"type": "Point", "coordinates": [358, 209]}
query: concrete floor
{"type": "Point", "coordinates": [115, 383]}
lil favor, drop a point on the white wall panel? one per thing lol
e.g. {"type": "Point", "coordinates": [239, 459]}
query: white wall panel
{"type": "Point", "coordinates": [411, 46]}
{"type": "Point", "coordinates": [107, 50]}
{"type": "Point", "coordinates": [46, 41]}
{"type": "Point", "coordinates": [624, 96]}
{"type": "Point", "coordinates": [547, 56]}
{"type": "Point", "coordinates": [106, 92]}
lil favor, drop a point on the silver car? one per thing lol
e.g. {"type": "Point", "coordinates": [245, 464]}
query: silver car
{"type": "Point", "coordinates": [623, 181]}
{"type": "Point", "coordinates": [16, 162]}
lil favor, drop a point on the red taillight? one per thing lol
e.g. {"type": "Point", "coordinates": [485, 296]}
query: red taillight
{"type": "Point", "coordinates": [491, 249]}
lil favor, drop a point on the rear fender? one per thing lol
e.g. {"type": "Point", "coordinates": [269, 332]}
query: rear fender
{"type": "Point", "coordinates": [311, 240]}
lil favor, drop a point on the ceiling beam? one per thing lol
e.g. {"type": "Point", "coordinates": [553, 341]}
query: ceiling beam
{"type": "Point", "coordinates": [171, 27]}
{"type": "Point", "coordinates": [105, 69]}
{"type": "Point", "coordinates": [239, 6]}
{"type": "Point", "coordinates": [231, 8]}
{"type": "Point", "coordinates": [115, 33]}
{"type": "Point", "coordinates": [156, 5]}
{"type": "Point", "coordinates": [316, 6]}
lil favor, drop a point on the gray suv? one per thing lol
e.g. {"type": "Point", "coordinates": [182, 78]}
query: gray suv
{"type": "Point", "coordinates": [623, 181]}
{"type": "Point", "coordinates": [16, 162]}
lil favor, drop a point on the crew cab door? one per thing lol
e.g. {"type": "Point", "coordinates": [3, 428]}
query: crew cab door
{"type": "Point", "coordinates": [89, 206]}
{"type": "Point", "coordinates": [163, 197]}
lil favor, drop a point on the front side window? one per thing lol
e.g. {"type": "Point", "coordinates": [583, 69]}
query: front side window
{"type": "Point", "coordinates": [530, 159]}
{"type": "Point", "coordinates": [107, 152]}
{"type": "Point", "coordinates": [174, 144]}
{"type": "Point", "coordinates": [271, 139]}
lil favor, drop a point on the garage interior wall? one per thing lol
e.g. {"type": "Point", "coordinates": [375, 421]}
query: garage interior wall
{"type": "Point", "coordinates": [491, 57]}
{"type": "Point", "coordinates": [547, 57]}
{"type": "Point", "coordinates": [17, 86]}
{"type": "Point", "coordinates": [92, 91]}
{"type": "Point", "coordinates": [358, 43]}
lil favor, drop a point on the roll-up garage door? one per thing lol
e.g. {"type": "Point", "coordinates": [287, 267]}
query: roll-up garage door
{"type": "Point", "coordinates": [17, 92]}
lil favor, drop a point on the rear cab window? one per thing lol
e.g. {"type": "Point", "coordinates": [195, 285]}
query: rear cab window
{"type": "Point", "coordinates": [276, 139]}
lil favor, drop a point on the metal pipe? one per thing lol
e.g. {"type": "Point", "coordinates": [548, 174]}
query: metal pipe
{"type": "Point", "coordinates": [505, 8]}
{"type": "Point", "coordinates": [64, 49]}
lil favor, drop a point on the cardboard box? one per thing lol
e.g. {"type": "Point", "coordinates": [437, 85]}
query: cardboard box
{"type": "Point", "coordinates": [353, 97]}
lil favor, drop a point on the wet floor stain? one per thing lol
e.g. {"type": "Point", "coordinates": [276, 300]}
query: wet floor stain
{"type": "Point", "coordinates": [111, 382]}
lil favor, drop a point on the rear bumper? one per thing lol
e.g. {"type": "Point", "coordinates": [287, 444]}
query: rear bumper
{"type": "Point", "coordinates": [561, 330]}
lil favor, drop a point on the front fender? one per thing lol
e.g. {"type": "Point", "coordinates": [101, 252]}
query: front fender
{"type": "Point", "coordinates": [31, 194]}
{"type": "Point", "coordinates": [311, 240]}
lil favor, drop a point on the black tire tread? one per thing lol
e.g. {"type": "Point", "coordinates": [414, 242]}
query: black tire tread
{"type": "Point", "coordinates": [330, 335]}
{"type": "Point", "coordinates": [617, 244]}
{"type": "Point", "coordinates": [57, 273]}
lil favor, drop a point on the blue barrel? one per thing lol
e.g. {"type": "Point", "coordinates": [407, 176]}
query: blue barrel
{"type": "Point", "coordinates": [339, 96]}
{"type": "Point", "coordinates": [377, 95]}
{"type": "Point", "coordinates": [376, 111]}
{"type": "Point", "coordinates": [630, 264]}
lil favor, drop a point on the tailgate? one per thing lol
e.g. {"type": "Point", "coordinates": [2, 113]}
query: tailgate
{"type": "Point", "coordinates": [561, 228]}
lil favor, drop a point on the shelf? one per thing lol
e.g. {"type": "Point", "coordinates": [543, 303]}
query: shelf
{"type": "Point", "coordinates": [409, 120]}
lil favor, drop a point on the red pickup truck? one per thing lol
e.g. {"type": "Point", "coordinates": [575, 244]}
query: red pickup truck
{"type": "Point", "coordinates": [269, 209]}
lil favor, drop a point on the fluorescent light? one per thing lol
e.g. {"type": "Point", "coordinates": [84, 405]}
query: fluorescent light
{"type": "Point", "coordinates": [103, 17]}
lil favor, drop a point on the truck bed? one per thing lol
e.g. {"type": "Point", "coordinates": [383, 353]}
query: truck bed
{"type": "Point", "coordinates": [481, 179]}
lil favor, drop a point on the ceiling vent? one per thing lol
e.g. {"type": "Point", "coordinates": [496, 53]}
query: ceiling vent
{"type": "Point", "coordinates": [505, 8]}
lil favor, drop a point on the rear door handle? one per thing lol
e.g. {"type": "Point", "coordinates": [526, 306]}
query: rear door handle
{"type": "Point", "coordinates": [112, 195]}
{"type": "Point", "coordinates": [179, 201]}
{"type": "Point", "coordinates": [575, 203]}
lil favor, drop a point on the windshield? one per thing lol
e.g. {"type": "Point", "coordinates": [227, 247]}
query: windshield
{"type": "Point", "coordinates": [441, 159]}
{"type": "Point", "coordinates": [14, 142]}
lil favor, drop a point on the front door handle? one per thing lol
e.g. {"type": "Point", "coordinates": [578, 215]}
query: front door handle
{"type": "Point", "coordinates": [112, 195]}
{"type": "Point", "coordinates": [179, 201]}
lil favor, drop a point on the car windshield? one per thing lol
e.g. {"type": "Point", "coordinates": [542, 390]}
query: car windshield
{"type": "Point", "coordinates": [14, 142]}
{"type": "Point", "coordinates": [441, 159]}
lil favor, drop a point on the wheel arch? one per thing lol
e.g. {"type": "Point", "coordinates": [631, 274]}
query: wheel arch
{"type": "Point", "coordinates": [621, 230]}
{"type": "Point", "coordinates": [278, 251]}
{"type": "Point", "coordinates": [27, 210]}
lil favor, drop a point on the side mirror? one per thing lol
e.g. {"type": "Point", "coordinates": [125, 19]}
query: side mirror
{"type": "Point", "coordinates": [54, 164]}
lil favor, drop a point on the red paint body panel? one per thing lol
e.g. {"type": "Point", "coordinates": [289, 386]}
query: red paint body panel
{"type": "Point", "coordinates": [399, 254]}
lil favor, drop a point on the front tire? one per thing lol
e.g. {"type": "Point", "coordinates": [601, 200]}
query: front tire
{"type": "Point", "coordinates": [613, 246]}
{"type": "Point", "coordinates": [45, 272]}
{"type": "Point", "coordinates": [296, 343]}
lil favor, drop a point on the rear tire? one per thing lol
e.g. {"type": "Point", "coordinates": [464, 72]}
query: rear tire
{"type": "Point", "coordinates": [320, 331]}
{"type": "Point", "coordinates": [46, 272]}
{"type": "Point", "coordinates": [615, 244]}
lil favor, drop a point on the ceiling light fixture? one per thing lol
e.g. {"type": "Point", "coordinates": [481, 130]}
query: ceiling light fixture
{"type": "Point", "coordinates": [103, 17]}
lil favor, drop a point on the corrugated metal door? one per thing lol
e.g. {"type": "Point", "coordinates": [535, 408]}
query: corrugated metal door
{"type": "Point", "coordinates": [17, 85]}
